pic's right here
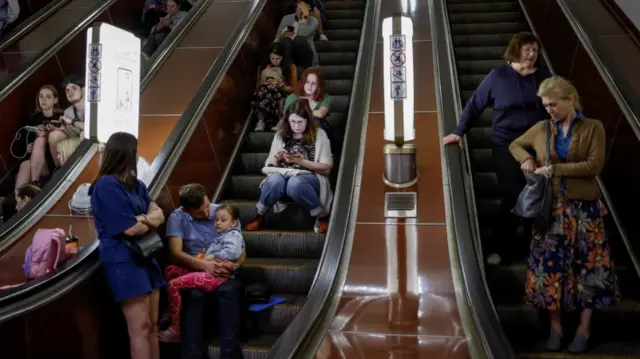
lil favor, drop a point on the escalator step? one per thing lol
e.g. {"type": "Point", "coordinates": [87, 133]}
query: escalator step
{"type": "Point", "coordinates": [506, 28]}
{"type": "Point", "coordinates": [470, 82]}
{"type": "Point", "coordinates": [483, 7]}
{"type": "Point", "coordinates": [481, 160]}
{"type": "Point", "coordinates": [338, 71]}
{"type": "Point", "coordinates": [344, 24]}
{"type": "Point", "coordinates": [251, 163]}
{"type": "Point", "coordinates": [465, 2]}
{"type": "Point", "coordinates": [326, 47]}
{"type": "Point", "coordinates": [284, 244]}
{"type": "Point", "coordinates": [340, 87]}
{"type": "Point", "coordinates": [337, 58]}
{"type": "Point", "coordinates": [472, 67]}
{"type": "Point", "coordinates": [258, 142]}
{"type": "Point", "coordinates": [476, 39]}
{"type": "Point", "coordinates": [350, 34]}
{"type": "Point", "coordinates": [283, 275]}
{"type": "Point", "coordinates": [471, 53]}
{"type": "Point", "coordinates": [343, 5]}
{"type": "Point", "coordinates": [481, 17]}
{"type": "Point", "coordinates": [485, 184]}
{"type": "Point", "coordinates": [344, 13]}
{"type": "Point", "coordinates": [293, 218]}
{"type": "Point", "coordinates": [478, 137]}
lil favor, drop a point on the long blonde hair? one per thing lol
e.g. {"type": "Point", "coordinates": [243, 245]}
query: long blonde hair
{"type": "Point", "coordinates": [561, 88]}
{"type": "Point", "coordinates": [66, 148]}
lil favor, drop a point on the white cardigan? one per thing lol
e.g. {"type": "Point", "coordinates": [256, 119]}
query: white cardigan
{"type": "Point", "coordinates": [322, 155]}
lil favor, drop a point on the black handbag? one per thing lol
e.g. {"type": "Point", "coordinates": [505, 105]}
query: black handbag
{"type": "Point", "coordinates": [145, 246]}
{"type": "Point", "coordinates": [534, 202]}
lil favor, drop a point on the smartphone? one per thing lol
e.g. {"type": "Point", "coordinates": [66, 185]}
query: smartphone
{"type": "Point", "coordinates": [288, 29]}
{"type": "Point", "coordinates": [32, 129]}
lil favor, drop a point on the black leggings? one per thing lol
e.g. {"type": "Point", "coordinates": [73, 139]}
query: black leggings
{"type": "Point", "coordinates": [298, 51]}
{"type": "Point", "coordinates": [511, 181]}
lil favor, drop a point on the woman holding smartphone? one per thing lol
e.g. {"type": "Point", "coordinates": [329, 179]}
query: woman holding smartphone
{"type": "Point", "coordinates": [35, 130]}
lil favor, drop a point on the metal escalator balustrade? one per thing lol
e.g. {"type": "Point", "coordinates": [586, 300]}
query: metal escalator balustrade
{"type": "Point", "coordinates": [480, 31]}
{"type": "Point", "coordinates": [285, 253]}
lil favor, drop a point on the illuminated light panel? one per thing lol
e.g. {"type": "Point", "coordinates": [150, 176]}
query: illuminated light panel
{"type": "Point", "coordinates": [113, 96]}
{"type": "Point", "coordinates": [408, 102]}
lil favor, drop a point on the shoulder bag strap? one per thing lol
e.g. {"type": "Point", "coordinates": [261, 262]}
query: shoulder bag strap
{"type": "Point", "coordinates": [547, 160]}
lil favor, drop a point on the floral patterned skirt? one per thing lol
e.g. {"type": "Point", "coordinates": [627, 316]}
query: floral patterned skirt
{"type": "Point", "coordinates": [570, 266]}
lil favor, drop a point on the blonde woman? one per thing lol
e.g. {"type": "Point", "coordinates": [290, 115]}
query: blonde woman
{"type": "Point", "coordinates": [570, 265]}
{"type": "Point", "coordinates": [66, 148]}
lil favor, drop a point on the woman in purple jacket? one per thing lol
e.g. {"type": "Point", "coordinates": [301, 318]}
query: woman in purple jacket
{"type": "Point", "coordinates": [511, 91]}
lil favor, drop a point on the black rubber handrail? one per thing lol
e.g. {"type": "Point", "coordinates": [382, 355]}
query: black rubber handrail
{"type": "Point", "coordinates": [302, 335]}
{"type": "Point", "coordinates": [31, 23]}
{"type": "Point", "coordinates": [64, 281]}
{"type": "Point", "coordinates": [489, 329]}
{"type": "Point", "coordinates": [13, 229]}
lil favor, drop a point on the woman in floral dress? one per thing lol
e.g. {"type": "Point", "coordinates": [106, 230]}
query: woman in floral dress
{"type": "Point", "coordinates": [570, 264]}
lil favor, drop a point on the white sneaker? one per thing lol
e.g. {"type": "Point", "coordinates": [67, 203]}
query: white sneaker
{"type": "Point", "coordinates": [494, 259]}
{"type": "Point", "coordinates": [323, 37]}
{"type": "Point", "coordinates": [260, 126]}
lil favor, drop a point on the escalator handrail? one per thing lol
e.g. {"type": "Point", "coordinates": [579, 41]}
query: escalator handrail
{"type": "Point", "coordinates": [18, 78]}
{"type": "Point", "coordinates": [161, 167]}
{"type": "Point", "coordinates": [496, 345]}
{"type": "Point", "coordinates": [310, 322]}
{"type": "Point", "coordinates": [32, 22]}
{"type": "Point", "coordinates": [22, 221]}
{"type": "Point", "coordinates": [628, 100]}
{"type": "Point", "coordinates": [605, 194]}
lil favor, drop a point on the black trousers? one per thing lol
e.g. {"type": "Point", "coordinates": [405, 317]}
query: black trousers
{"type": "Point", "coordinates": [298, 51]}
{"type": "Point", "coordinates": [511, 181]}
{"type": "Point", "coordinates": [226, 306]}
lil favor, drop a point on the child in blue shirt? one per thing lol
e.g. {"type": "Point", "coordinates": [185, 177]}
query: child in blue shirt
{"type": "Point", "coordinates": [228, 244]}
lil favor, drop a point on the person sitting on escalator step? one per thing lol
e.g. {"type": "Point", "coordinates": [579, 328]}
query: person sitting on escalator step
{"type": "Point", "coordinates": [298, 167]}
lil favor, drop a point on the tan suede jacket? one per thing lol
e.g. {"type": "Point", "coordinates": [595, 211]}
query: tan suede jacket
{"type": "Point", "coordinates": [584, 161]}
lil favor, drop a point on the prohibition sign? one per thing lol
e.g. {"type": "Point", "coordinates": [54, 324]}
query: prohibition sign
{"type": "Point", "coordinates": [398, 58]}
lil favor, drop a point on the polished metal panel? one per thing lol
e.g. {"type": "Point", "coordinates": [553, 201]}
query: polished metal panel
{"type": "Point", "coordinates": [400, 166]}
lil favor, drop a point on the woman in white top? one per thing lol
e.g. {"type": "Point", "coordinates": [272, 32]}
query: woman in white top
{"type": "Point", "coordinates": [298, 167]}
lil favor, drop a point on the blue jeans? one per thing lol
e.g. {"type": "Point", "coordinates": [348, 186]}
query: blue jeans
{"type": "Point", "coordinates": [227, 304]}
{"type": "Point", "coordinates": [303, 189]}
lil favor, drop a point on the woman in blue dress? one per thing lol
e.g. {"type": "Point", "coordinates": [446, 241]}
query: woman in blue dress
{"type": "Point", "coordinates": [122, 206]}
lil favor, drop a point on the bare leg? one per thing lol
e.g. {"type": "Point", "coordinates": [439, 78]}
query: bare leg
{"type": "Point", "coordinates": [153, 317]}
{"type": "Point", "coordinates": [37, 158]}
{"type": "Point", "coordinates": [136, 312]}
{"type": "Point", "coordinates": [24, 174]}
{"type": "Point", "coordinates": [54, 137]}
{"type": "Point", "coordinates": [585, 322]}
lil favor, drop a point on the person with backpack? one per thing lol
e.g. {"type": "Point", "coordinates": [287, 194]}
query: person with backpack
{"type": "Point", "coordinates": [124, 212]}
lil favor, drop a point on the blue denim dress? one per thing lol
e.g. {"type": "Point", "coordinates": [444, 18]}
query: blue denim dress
{"type": "Point", "coordinates": [114, 210]}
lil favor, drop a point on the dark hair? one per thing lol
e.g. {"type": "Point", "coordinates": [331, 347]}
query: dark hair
{"type": "Point", "coordinates": [512, 53]}
{"type": "Point", "coordinates": [192, 196]}
{"type": "Point", "coordinates": [302, 109]}
{"type": "Point", "coordinates": [120, 159]}
{"type": "Point", "coordinates": [28, 190]}
{"type": "Point", "coordinates": [233, 210]}
{"type": "Point", "coordinates": [319, 95]}
{"type": "Point", "coordinates": [75, 80]}
{"type": "Point", "coordinates": [279, 49]}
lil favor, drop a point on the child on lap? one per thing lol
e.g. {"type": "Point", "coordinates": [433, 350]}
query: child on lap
{"type": "Point", "coordinates": [229, 245]}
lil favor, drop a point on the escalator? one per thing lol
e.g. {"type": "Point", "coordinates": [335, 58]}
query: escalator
{"type": "Point", "coordinates": [47, 53]}
{"type": "Point", "coordinates": [286, 252]}
{"type": "Point", "coordinates": [480, 31]}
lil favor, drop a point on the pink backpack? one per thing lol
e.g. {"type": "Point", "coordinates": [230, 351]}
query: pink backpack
{"type": "Point", "coordinates": [46, 253]}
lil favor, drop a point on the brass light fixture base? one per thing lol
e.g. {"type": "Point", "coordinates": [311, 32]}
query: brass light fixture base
{"type": "Point", "coordinates": [400, 170]}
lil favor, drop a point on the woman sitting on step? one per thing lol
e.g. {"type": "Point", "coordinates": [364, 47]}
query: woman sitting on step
{"type": "Point", "coordinates": [298, 167]}
{"type": "Point", "coordinates": [266, 102]}
{"type": "Point", "coordinates": [570, 265]}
